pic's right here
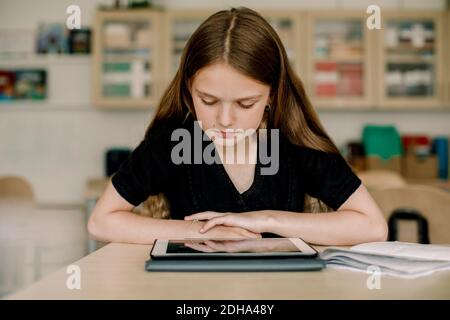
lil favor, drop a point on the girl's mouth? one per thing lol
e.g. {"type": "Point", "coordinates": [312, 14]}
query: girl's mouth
{"type": "Point", "coordinates": [226, 134]}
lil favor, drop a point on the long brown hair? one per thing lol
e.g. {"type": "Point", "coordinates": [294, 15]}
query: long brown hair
{"type": "Point", "coordinates": [243, 39]}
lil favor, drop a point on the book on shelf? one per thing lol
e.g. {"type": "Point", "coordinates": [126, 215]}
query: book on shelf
{"type": "Point", "coordinates": [80, 41]}
{"type": "Point", "coordinates": [52, 38]}
{"type": "Point", "coordinates": [326, 78]}
{"type": "Point", "coordinates": [7, 80]}
{"type": "Point", "coordinates": [23, 84]}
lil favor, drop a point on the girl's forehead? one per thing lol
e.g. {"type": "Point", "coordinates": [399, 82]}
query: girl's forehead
{"type": "Point", "coordinates": [222, 80]}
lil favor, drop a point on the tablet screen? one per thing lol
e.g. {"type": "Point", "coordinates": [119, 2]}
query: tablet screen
{"type": "Point", "coordinates": [223, 248]}
{"type": "Point", "coordinates": [264, 245]}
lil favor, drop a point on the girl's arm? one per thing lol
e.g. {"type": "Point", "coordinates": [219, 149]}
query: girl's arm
{"type": "Point", "coordinates": [113, 221]}
{"type": "Point", "coordinates": [358, 220]}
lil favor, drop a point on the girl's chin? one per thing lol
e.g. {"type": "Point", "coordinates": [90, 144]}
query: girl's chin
{"type": "Point", "coordinates": [219, 140]}
{"type": "Point", "coordinates": [224, 142]}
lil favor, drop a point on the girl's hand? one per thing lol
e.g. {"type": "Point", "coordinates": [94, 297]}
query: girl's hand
{"type": "Point", "coordinates": [223, 232]}
{"type": "Point", "coordinates": [244, 245]}
{"type": "Point", "coordinates": [254, 221]}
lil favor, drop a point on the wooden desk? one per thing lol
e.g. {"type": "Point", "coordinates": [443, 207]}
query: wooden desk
{"type": "Point", "coordinates": [116, 271]}
{"type": "Point", "coordinates": [442, 184]}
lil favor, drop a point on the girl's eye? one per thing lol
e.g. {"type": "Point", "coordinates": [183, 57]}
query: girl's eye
{"type": "Point", "coordinates": [208, 103]}
{"type": "Point", "coordinates": [246, 106]}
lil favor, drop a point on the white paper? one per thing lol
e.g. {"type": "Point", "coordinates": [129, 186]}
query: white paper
{"type": "Point", "coordinates": [409, 260]}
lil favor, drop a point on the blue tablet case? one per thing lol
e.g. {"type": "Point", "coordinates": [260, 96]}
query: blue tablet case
{"type": "Point", "coordinates": [235, 264]}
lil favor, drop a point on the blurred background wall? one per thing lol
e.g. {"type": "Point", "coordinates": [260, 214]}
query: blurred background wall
{"type": "Point", "coordinates": [61, 143]}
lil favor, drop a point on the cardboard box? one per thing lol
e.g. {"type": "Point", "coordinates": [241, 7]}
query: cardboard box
{"type": "Point", "coordinates": [392, 164]}
{"type": "Point", "coordinates": [420, 167]}
{"type": "Point", "coordinates": [357, 163]}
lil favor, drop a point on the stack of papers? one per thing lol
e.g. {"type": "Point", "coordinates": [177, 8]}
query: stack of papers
{"type": "Point", "coordinates": [400, 259]}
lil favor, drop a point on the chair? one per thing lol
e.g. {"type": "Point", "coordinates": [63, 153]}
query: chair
{"type": "Point", "coordinates": [379, 179]}
{"type": "Point", "coordinates": [16, 204]}
{"type": "Point", "coordinates": [416, 202]}
{"type": "Point", "coordinates": [17, 189]}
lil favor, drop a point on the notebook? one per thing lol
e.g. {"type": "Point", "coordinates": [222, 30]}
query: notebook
{"type": "Point", "coordinates": [395, 258]}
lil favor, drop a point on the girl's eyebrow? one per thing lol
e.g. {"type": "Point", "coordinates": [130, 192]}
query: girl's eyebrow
{"type": "Point", "coordinates": [244, 98]}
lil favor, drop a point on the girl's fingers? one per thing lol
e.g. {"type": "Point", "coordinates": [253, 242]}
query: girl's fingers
{"type": "Point", "coordinates": [199, 247]}
{"type": "Point", "coordinates": [228, 220]}
{"type": "Point", "coordinates": [215, 245]}
{"type": "Point", "coordinates": [229, 246]}
{"type": "Point", "coordinates": [204, 215]}
{"type": "Point", "coordinates": [255, 235]}
{"type": "Point", "coordinates": [211, 224]}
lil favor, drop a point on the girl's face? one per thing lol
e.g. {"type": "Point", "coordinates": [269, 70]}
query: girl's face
{"type": "Point", "coordinates": [227, 102]}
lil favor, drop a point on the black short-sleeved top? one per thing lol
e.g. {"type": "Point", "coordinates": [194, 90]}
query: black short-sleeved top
{"type": "Point", "coordinates": [192, 188]}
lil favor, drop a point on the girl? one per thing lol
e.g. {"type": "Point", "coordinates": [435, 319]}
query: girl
{"type": "Point", "coordinates": [234, 80]}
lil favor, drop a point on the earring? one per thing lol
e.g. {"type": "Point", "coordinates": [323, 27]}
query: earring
{"type": "Point", "coordinates": [267, 108]}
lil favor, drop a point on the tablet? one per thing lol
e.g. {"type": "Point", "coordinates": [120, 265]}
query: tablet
{"type": "Point", "coordinates": [232, 248]}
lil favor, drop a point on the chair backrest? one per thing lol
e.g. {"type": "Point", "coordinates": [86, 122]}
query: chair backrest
{"type": "Point", "coordinates": [15, 188]}
{"type": "Point", "coordinates": [380, 179]}
{"type": "Point", "coordinates": [16, 199]}
{"type": "Point", "coordinates": [432, 203]}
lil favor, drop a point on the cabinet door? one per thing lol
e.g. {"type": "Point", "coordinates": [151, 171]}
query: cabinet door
{"type": "Point", "coordinates": [339, 60]}
{"type": "Point", "coordinates": [446, 39]}
{"type": "Point", "coordinates": [411, 60]}
{"type": "Point", "coordinates": [125, 65]}
{"type": "Point", "coordinates": [288, 27]}
{"type": "Point", "coordinates": [179, 26]}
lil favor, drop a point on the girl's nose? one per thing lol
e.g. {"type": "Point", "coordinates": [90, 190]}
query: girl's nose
{"type": "Point", "coordinates": [225, 116]}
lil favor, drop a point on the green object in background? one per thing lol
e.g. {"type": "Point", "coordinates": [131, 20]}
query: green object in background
{"type": "Point", "coordinates": [117, 67]}
{"type": "Point", "coordinates": [117, 90]}
{"type": "Point", "coordinates": [139, 4]}
{"type": "Point", "coordinates": [382, 140]}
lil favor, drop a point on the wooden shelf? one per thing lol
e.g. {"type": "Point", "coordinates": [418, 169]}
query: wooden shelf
{"type": "Point", "coordinates": [34, 59]}
{"type": "Point", "coordinates": [407, 60]}
{"type": "Point", "coordinates": [340, 60]}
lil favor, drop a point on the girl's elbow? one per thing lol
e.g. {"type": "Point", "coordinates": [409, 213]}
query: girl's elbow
{"type": "Point", "coordinates": [380, 231]}
{"type": "Point", "coordinates": [94, 227]}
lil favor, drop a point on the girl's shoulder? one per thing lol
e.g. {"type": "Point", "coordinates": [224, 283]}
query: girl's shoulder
{"type": "Point", "coordinates": [311, 158]}
{"type": "Point", "coordinates": [160, 129]}
{"type": "Point", "coordinates": [161, 132]}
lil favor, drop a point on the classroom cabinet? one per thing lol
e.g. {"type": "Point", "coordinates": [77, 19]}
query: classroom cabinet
{"type": "Point", "coordinates": [446, 40]}
{"type": "Point", "coordinates": [179, 26]}
{"type": "Point", "coordinates": [411, 48]}
{"type": "Point", "coordinates": [342, 63]}
{"type": "Point", "coordinates": [340, 60]}
{"type": "Point", "coordinates": [290, 29]}
{"type": "Point", "coordinates": [127, 62]}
